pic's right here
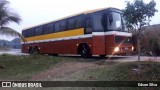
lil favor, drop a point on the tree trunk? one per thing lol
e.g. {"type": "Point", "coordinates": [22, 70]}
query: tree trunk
{"type": "Point", "coordinates": [139, 50]}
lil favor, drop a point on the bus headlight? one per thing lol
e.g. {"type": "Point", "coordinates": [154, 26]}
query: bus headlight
{"type": "Point", "coordinates": [132, 48]}
{"type": "Point", "coordinates": [116, 49]}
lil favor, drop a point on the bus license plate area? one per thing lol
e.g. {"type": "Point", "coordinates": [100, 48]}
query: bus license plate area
{"type": "Point", "coordinates": [124, 49]}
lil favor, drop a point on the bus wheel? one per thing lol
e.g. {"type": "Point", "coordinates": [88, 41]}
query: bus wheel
{"type": "Point", "coordinates": [31, 50]}
{"type": "Point", "coordinates": [85, 51]}
{"type": "Point", "coordinates": [102, 56]}
{"type": "Point", "coordinates": [35, 51]}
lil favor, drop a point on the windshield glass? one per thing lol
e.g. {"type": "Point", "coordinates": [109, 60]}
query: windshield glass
{"type": "Point", "coordinates": [114, 21]}
{"type": "Point", "coordinates": [120, 39]}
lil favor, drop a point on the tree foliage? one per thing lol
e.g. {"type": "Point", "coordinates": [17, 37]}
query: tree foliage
{"type": "Point", "coordinates": [138, 13]}
{"type": "Point", "coordinates": [7, 16]}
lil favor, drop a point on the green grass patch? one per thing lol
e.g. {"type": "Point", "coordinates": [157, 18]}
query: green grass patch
{"type": "Point", "coordinates": [111, 71]}
{"type": "Point", "coordinates": [24, 67]}
{"type": "Point", "coordinates": [114, 71]}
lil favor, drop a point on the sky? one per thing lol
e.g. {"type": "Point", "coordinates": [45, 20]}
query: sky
{"type": "Point", "coordinates": [34, 12]}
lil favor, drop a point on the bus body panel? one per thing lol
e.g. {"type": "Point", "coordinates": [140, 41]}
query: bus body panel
{"type": "Point", "coordinates": [99, 45]}
{"type": "Point", "coordinates": [57, 35]}
{"type": "Point", "coordinates": [58, 47]}
{"type": "Point", "coordinates": [109, 44]}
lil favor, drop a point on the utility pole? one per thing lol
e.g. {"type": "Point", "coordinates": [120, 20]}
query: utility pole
{"type": "Point", "coordinates": [139, 50]}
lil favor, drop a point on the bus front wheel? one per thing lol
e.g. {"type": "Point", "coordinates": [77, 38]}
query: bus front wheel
{"type": "Point", "coordinates": [85, 51]}
{"type": "Point", "coordinates": [102, 56]}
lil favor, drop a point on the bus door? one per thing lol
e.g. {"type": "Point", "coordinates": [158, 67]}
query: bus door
{"type": "Point", "coordinates": [98, 33]}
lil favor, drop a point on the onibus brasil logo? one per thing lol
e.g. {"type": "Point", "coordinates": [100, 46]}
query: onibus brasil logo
{"type": "Point", "coordinates": [21, 84]}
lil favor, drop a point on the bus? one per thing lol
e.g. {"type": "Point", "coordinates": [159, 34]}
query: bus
{"type": "Point", "coordinates": [96, 32]}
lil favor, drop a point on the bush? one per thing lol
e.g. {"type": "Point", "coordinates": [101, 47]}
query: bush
{"type": "Point", "coordinates": [150, 40]}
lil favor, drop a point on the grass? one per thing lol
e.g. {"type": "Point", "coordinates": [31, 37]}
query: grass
{"type": "Point", "coordinates": [111, 71]}
{"type": "Point", "coordinates": [24, 67]}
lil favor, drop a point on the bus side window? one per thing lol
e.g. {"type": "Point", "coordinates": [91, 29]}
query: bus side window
{"type": "Point", "coordinates": [31, 32]}
{"type": "Point", "coordinates": [25, 33]}
{"type": "Point", "coordinates": [45, 29]}
{"type": "Point", "coordinates": [38, 30]}
{"type": "Point", "coordinates": [63, 25]}
{"type": "Point", "coordinates": [98, 23]}
{"type": "Point", "coordinates": [48, 28]}
{"type": "Point", "coordinates": [88, 29]}
{"type": "Point", "coordinates": [57, 26]}
{"type": "Point", "coordinates": [79, 21]}
{"type": "Point", "coordinates": [71, 23]}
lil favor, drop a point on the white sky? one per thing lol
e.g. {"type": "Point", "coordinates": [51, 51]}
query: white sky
{"type": "Point", "coordinates": [35, 12]}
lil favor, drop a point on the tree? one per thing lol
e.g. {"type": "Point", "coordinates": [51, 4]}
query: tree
{"type": "Point", "coordinates": [7, 16]}
{"type": "Point", "coordinates": [137, 15]}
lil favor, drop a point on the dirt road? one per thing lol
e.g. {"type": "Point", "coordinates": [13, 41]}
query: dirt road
{"type": "Point", "coordinates": [66, 71]}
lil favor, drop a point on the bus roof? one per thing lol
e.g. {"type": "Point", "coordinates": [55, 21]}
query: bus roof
{"type": "Point", "coordinates": [84, 12]}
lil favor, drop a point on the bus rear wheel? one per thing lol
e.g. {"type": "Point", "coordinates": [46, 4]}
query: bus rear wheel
{"type": "Point", "coordinates": [33, 51]}
{"type": "Point", "coordinates": [85, 51]}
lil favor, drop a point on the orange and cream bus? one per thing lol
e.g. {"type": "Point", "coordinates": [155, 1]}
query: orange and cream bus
{"type": "Point", "coordinates": [96, 32]}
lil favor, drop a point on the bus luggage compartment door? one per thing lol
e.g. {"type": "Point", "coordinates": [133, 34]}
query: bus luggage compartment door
{"type": "Point", "coordinates": [98, 45]}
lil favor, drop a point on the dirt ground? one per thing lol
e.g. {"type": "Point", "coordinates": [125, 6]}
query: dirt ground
{"type": "Point", "coordinates": [63, 71]}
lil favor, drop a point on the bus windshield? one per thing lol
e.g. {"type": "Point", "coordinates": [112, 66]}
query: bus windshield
{"type": "Point", "coordinates": [114, 21]}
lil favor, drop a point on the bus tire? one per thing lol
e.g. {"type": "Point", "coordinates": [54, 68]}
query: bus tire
{"type": "Point", "coordinates": [102, 56]}
{"type": "Point", "coordinates": [30, 50]}
{"type": "Point", "coordinates": [85, 51]}
{"type": "Point", "coordinates": [53, 54]}
{"type": "Point", "coordinates": [35, 51]}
